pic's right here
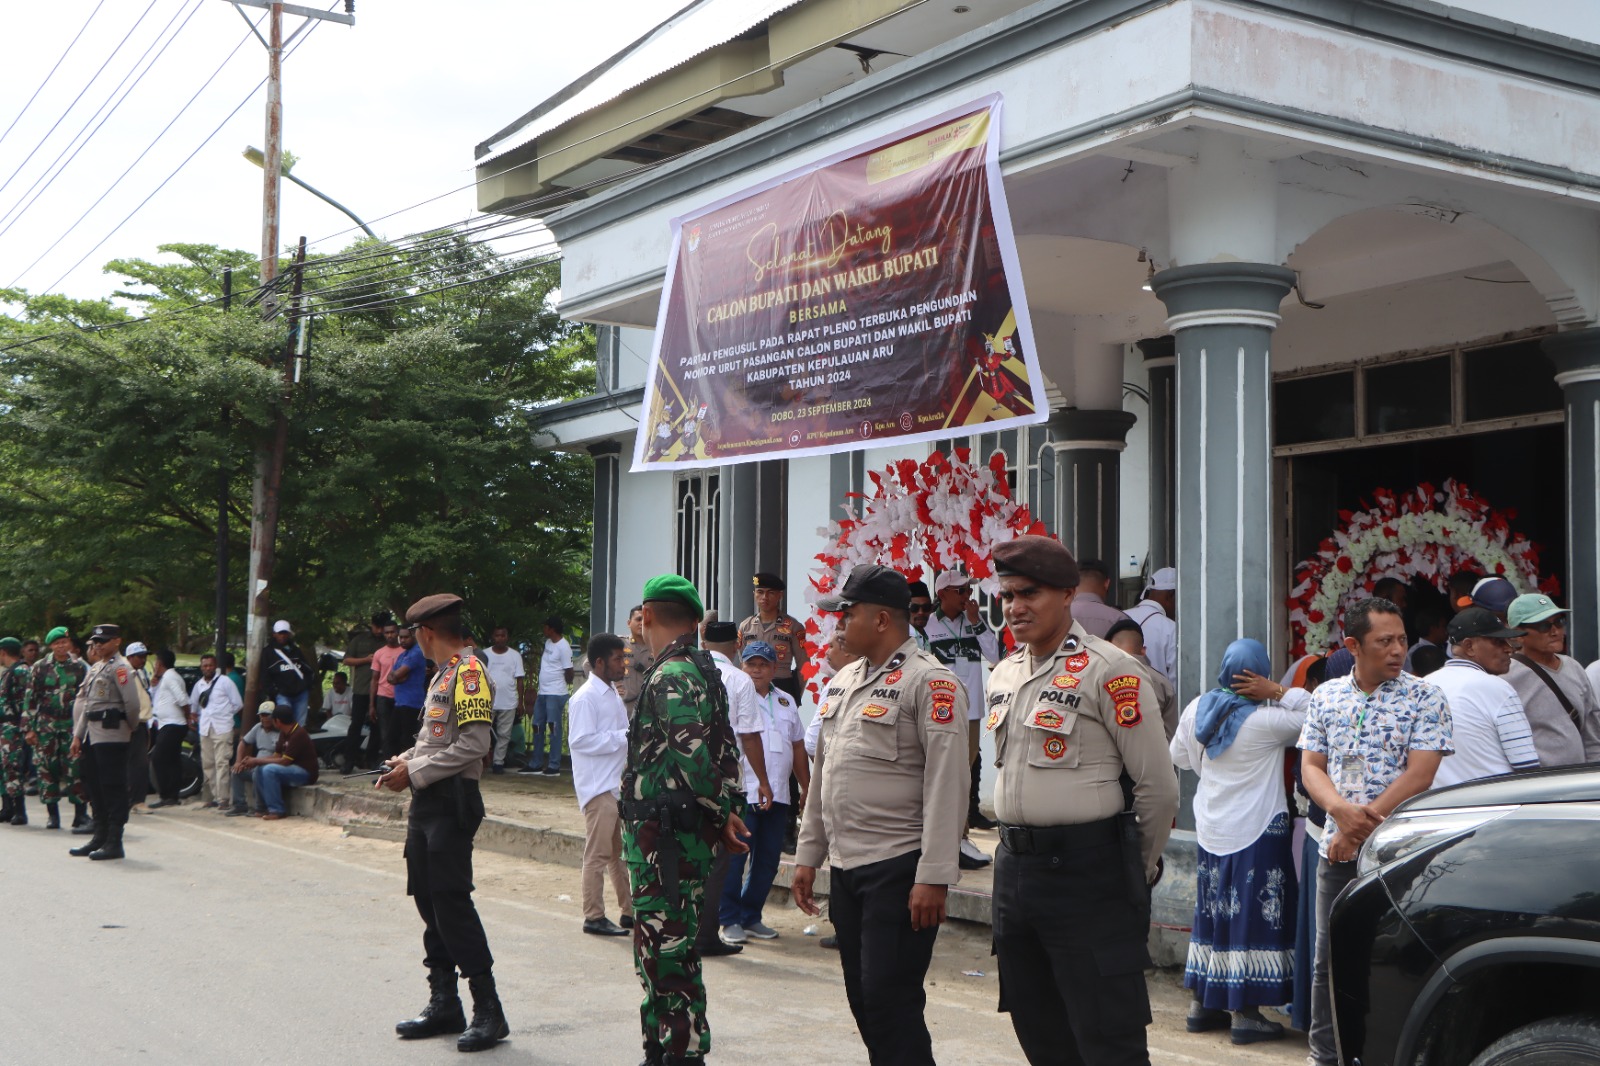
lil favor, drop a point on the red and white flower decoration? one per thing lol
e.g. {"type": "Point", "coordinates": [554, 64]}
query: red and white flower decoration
{"type": "Point", "coordinates": [1428, 533]}
{"type": "Point", "coordinates": [921, 518]}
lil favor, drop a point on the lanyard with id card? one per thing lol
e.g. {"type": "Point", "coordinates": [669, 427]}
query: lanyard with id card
{"type": "Point", "coordinates": [1350, 777]}
{"type": "Point", "coordinates": [772, 737]}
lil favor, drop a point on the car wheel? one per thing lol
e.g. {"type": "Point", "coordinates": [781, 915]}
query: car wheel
{"type": "Point", "coordinates": [1573, 1040]}
{"type": "Point", "coordinates": [189, 775]}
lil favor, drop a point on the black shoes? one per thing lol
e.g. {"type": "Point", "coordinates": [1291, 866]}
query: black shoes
{"type": "Point", "coordinates": [603, 927]}
{"type": "Point", "coordinates": [443, 1014]}
{"type": "Point", "coordinates": [98, 837]}
{"type": "Point", "coordinates": [112, 848]}
{"type": "Point", "coordinates": [7, 808]}
{"type": "Point", "coordinates": [976, 819]}
{"type": "Point", "coordinates": [80, 820]}
{"type": "Point", "coordinates": [831, 943]}
{"type": "Point", "coordinates": [718, 948]}
{"type": "Point", "coordinates": [1205, 1019]}
{"type": "Point", "coordinates": [489, 1025]}
{"type": "Point", "coordinates": [627, 921]}
{"type": "Point", "coordinates": [19, 813]}
{"type": "Point", "coordinates": [54, 810]}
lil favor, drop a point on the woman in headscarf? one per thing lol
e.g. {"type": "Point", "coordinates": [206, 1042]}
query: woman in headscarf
{"type": "Point", "coordinates": [1241, 952]}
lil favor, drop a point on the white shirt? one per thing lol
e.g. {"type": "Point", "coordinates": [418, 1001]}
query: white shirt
{"type": "Point", "coordinates": [216, 714]}
{"type": "Point", "coordinates": [169, 704]}
{"type": "Point", "coordinates": [504, 668]}
{"type": "Point", "coordinates": [1241, 791]}
{"type": "Point", "coordinates": [597, 736]}
{"type": "Point", "coordinates": [780, 731]}
{"type": "Point", "coordinates": [336, 702]}
{"type": "Point", "coordinates": [742, 712]}
{"type": "Point", "coordinates": [1160, 639]}
{"type": "Point", "coordinates": [963, 646]}
{"type": "Point", "coordinates": [1489, 727]}
{"type": "Point", "coordinates": [553, 667]}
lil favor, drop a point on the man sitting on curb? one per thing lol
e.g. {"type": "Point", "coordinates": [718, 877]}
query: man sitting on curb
{"type": "Point", "coordinates": [261, 743]}
{"type": "Point", "coordinates": [293, 763]}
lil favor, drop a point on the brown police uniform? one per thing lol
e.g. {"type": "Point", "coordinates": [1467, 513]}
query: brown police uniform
{"type": "Point", "coordinates": [887, 809]}
{"type": "Point", "coordinates": [103, 719]}
{"type": "Point", "coordinates": [785, 633]}
{"type": "Point", "coordinates": [1075, 736]}
{"type": "Point", "coordinates": [640, 659]}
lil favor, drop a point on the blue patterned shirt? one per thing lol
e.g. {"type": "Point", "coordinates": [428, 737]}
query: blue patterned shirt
{"type": "Point", "coordinates": [1367, 737]}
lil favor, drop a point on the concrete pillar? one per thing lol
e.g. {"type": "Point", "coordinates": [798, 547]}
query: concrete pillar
{"type": "Point", "coordinates": [1088, 449]}
{"type": "Point", "coordinates": [603, 547]}
{"type": "Point", "coordinates": [1222, 315]}
{"type": "Point", "coordinates": [1577, 359]}
{"type": "Point", "coordinates": [1160, 360]}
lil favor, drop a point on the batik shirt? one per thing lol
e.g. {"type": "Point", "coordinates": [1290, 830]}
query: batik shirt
{"type": "Point", "coordinates": [1368, 737]}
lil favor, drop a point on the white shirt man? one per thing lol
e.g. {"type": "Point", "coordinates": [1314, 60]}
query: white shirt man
{"type": "Point", "coordinates": [597, 736]}
{"type": "Point", "coordinates": [337, 702]}
{"type": "Point", "coordinates": [169, 703]}
{"type": "Point", "coordinates": [504, 664]}
{"type": "Point", "coordinates": [1155, 618]}
{"type": "Point", "coordinates": [958, 637]}
{"type": "Point", "coordinates": [215, 700]}
{"type": "Point", "coordinates": [554, 663]}
{"type": "Point", "coordinates": [1491, 732]}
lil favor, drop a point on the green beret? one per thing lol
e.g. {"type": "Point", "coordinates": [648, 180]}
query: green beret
{"type": "Point", "coordinates": [55, 634]}
{"type": "Point", "coordinates": [673, 587]}
{"type": "Point", "coordinates": [11, 644]}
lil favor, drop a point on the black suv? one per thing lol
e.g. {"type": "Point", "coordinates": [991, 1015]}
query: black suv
{"type": "Point", "coordinates": [1472, 935]}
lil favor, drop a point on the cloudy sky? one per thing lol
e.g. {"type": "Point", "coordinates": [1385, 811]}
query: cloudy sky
{"type": "Point", "coordinates": [382, 116]}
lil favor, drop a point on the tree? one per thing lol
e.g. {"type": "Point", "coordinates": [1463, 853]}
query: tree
{"type": "Point", "coordinates": [411, 465]}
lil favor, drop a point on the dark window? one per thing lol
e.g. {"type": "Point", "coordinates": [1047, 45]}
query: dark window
{"type": "Point", "coordinates": [1509, 380]}
{"type": "Point", "coordinates": [1402, 396]}
{"type": "Point", "coordinates": [1313, 409]}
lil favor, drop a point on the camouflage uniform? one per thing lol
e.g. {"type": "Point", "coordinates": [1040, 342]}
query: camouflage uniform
{"type": "Point", "coordinates": [13, 699]}
{"type": "Point", "coordinates": [679, 742]}
{"type": "Point", "coordinates": [49, 715]}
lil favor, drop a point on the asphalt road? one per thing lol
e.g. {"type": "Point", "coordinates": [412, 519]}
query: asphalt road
{"type": "Point", "coordinates": [237, 941]}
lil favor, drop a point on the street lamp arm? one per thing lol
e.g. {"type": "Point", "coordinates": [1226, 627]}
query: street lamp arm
{"type": "Point", "coordinates": [325, 198]}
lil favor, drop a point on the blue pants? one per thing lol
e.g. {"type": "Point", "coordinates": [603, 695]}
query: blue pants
{"type": "Point", "coordinates": [547, 712]}
{"type": "Point", "coordinates": [272, 780]}
{"type": "Point", "coordinates": [301, 704]}
{"type": "Point", "coordinates": [742, 900]}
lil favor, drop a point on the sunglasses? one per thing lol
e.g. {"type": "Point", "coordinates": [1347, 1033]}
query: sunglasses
{"type": "Point", "coordinates": [921, 608]}
{"type": "Point", "coordinates": [1545, 627]}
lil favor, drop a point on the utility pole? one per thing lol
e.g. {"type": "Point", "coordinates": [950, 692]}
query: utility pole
{"type": "Point", "coordinates": [270, 458]}
{"type": "Point", "coordinates": [222, 500]}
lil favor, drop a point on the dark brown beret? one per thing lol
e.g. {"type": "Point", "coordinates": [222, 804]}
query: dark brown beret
{"type": "Point", "coordinates": [428, 607]}
{"type": "Point", "coordinates": [1044, 559]}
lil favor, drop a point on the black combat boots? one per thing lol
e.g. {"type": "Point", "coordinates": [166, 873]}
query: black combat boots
{"type": "Point", "coordinates": [19, 812]}
{"type": "Point", "coordinates": [488, 1026]}
{"type": "Point", "coordinates": [93, 843]}
{"type": "Point", "coordinates": [80, 820]}
{"type": "Point", "coordinates": [443, 1014]}
{"type": "Point", "coordinates": [7, 808]}
{"type": "Point", "coordinates": [54, 810]}
{"type": "Point", "coordinates": [112, 848]}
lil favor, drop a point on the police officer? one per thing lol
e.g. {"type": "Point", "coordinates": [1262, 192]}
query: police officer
{"type": "Point", "coordinates": [679, 795]}
{"type": "Point", "coordinates": [104, 717]}
{"type": "Point", "coordinates": [783, 631]}
{"type": "Point", "coordinates": [888, 804]}
{"type": "Point", "coordinates": [1077, 734]}
{"type": "Point", "coordinates": [442, 769]}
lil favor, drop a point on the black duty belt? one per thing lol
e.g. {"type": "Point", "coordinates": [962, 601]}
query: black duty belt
{"type": "Point", "coordinates": [1057, 839]}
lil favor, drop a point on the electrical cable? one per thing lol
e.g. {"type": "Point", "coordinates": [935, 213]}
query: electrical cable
{"type": "Point", "coordinates": [53, 70]}
{"type": "Point", "coordinates": [51, 131]}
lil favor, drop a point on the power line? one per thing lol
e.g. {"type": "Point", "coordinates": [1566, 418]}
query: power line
{"type": "Point", "coordinates": [53, 70]}
{"type": "Point", "coordinates": [51, 131]}
{"type": "Point", "coordinates": [21, 208]}
{"type": "Point", "coordinates": [110, 188]}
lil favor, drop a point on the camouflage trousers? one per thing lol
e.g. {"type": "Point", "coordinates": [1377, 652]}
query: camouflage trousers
{"type": "Point", "coordinates": [58, 771]}
{"type": "Point", "coordinates": [673, 1014]}
{"type": "Point", "coordinates": [11, 748]}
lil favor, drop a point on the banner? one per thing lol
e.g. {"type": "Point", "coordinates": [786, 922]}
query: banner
{"type": "Point", "coordinates": [872, 298]}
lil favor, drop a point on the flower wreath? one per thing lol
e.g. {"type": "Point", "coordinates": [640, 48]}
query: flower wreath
{"type": "Point", "coordinates": [1427, 532]}
{"type": "Point", "coordinates": [942, 512]}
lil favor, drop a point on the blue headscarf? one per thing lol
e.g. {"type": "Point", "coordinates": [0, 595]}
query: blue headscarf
{"type": "Point", "coordinates": [1222, 711]}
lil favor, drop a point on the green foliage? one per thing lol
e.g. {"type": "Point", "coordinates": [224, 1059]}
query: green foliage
{"type": "Point", "coordinates": [410, 464]}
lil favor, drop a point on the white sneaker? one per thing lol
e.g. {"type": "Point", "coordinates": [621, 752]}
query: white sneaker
{"type": "Point", "coordinates": [761, 931]}
{"type": "Point", "coordinates": [733, 934]}
{"type": "Point", "coordinates": [970, 850]}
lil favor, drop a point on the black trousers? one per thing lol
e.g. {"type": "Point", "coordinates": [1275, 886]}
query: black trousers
{"type": "Point", "coordinates": [711, 904]}
{"type": "Point", "coordinates": [1071, 946]}
{"type": "Point", "coordinates": [360, 707]}
{"type": "Point", "coordinates": [885, 961]}
{"type": "Point", "coordinates": [104, 769]}
{"type": "Point", "coordinates": [398, 724]}
{"type": "Point", "coordinates": [166, 758]}
{"type": "Point", "coordinates": [139, 764]}
{"type": "Point", "coordinates": [444, 818]}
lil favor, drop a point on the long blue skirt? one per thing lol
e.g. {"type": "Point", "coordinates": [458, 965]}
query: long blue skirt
{"type": "Point", "coordinates": [1241, 952]}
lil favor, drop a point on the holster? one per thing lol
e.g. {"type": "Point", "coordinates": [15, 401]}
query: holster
{"type": "Point", "coordinates": [673, 812]}
{"type": "Point", "coordinates": [1133, 862]}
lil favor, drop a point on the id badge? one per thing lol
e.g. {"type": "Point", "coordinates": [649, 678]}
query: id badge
{"type": "Point", "coordinates": [1351, 779]}
{"type": "Point", "coordinates": [774, 741]}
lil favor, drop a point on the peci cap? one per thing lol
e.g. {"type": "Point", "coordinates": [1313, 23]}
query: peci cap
{"type": "Point", "coordinates": [675, 589]}
{"type": "Point", "coordinates": [1494, 594]}
{"type": "Point", "coordinates": [266, 707]}
{"type": "Point", "coordinates": [768, 580]}
{"type": "Point", "coordinates": [440, 603]}
{"type": "Point", "coordinates": [1479, 622]}
{"type": "Point", "coordinates": [1163, 580]}
{"type": "Point", "coordinates": [1044, 559]}
{"type": "Point", "coordinates": [56, 634]}
{"type": "Point", "coordinates": [11, 644]}
{"type": "Point", "coordinates": [136, 648]}
{"type": "Point", "coordinates": [104, 632]}
{"type": "Point", "coordinates": [721, 633]}
{"type": "Point", "coordinates": [920, 588]}
{"type": "Point", "coordinates": [951, 579]}
{"type": "Point", "coordinates": [870, 583]}
{"type": "Point", "coordinates": [758, 649]}
{"type": "Point", "coordinates": [1531, 609]}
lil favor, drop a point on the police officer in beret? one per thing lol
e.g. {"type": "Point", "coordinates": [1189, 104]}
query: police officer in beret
{"type": "Point", "coordinates": [442, 770]}
{"type": "Point", "coordinates": [887, 806]}
{"type": "Point", "coordinates": [783, 631]}
{"type": "Point", "coordinates": [104, 717]}
{"type": "Point", "coordinates": [1085, 796]}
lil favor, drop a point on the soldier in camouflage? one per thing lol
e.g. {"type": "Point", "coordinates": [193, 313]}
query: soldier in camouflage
{"type": "Point", "coordinates": [47, 726]}
{"type": "Point", "coordinates": [679, 797]}
{"type": "Point", "coordinates": [13, 696]}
